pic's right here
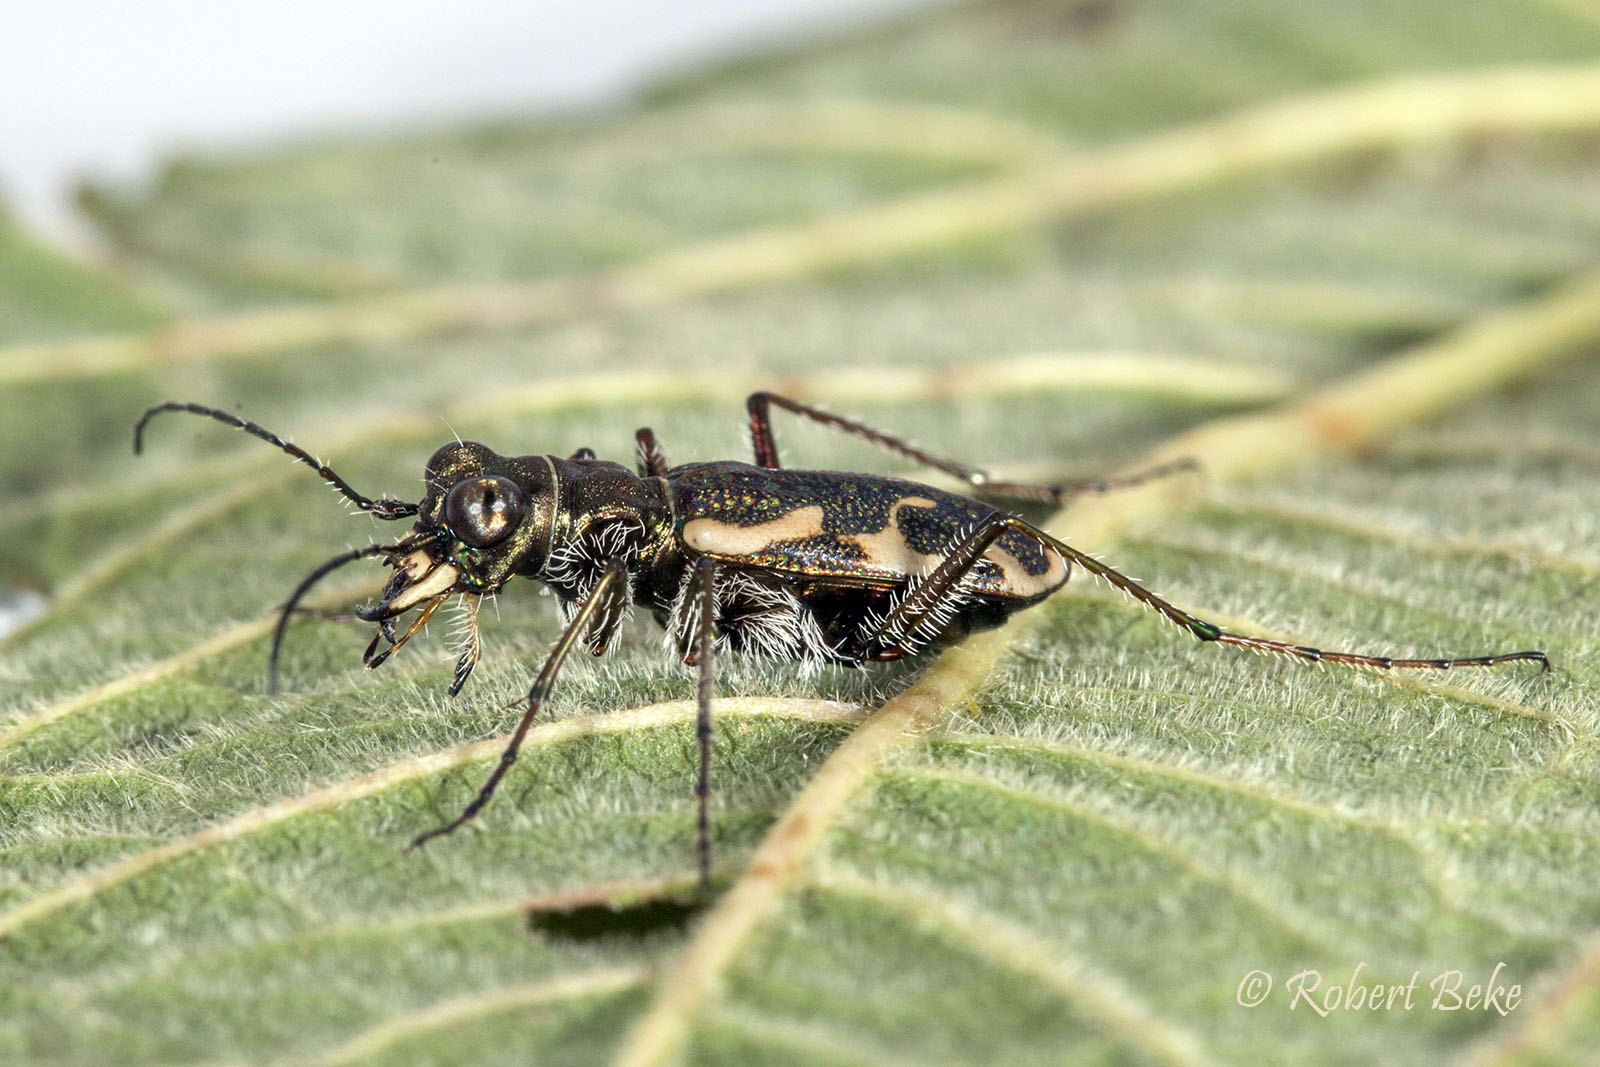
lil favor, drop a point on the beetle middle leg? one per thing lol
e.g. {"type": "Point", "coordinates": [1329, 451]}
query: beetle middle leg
{"type": "Point", "coordinates": [615, 571]}
{"type": "Point", "coordinates": [908, 621]}
{"type": "Point", "coordinates": [760, 407]}
{"type": "Point", "coordinates": [703, 590]}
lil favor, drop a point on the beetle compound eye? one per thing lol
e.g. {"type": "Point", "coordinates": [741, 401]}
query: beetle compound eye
{"type": "Point", "coordinates": [484, 511]}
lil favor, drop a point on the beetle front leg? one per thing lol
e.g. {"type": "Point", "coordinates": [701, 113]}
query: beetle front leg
{"type": "Point", "coordinates": [760, 407]}
{"type": "Point", "coordinates": [614, 572]}
{"type": "Point", "coordinates": [471, 642]}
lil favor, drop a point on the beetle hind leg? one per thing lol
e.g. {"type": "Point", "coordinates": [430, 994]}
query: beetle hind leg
{"type": "Point", "coordinates": [1059, 492]}
{"type": "Point", "coordinates": [1210, 631]}
{"type": "Point", "coordinates": [925, 611]}
{"type": "Point", "coordinates": [934, 599]}
{"type": "Point", "coordinates": [760, 406]}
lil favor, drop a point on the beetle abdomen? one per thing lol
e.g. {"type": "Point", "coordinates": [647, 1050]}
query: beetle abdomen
{"type": "Point", "coordinates": [858, 528]}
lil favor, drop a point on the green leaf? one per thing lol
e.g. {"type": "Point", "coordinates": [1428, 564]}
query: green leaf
{"type": "Point", "coordinates": [1346, 258]}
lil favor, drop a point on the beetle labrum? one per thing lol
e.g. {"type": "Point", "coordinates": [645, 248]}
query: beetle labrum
{"type": "Point", "coordinates": [791, 565]}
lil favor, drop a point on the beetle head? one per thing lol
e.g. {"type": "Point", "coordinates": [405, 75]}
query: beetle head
{"type": "Point", "coordinates": [484, 518]}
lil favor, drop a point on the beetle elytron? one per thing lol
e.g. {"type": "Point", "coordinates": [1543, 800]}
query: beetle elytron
{"type": "Point", "coordinates": [793, 565]}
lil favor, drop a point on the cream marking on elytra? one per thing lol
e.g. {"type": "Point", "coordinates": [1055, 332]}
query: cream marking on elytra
{"type": "Point", "coordinates": [886, 551]}
{"type": "Point", "coordinates": [716, 538]}
{"type": "Point", "coordinates": [890, 546]}
{"type": "Point", "coordinates": [1017, 579]}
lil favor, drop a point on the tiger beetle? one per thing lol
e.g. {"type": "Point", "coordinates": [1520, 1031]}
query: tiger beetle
{"type": "Point", "coordinates": [815, 567]}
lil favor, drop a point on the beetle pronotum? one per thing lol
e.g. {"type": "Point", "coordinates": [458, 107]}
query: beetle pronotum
{"type": "Point", "coordinates": [791, 565]}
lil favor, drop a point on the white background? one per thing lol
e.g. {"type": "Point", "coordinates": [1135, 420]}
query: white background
{"type": "Point", "coordinates": [103, 89]}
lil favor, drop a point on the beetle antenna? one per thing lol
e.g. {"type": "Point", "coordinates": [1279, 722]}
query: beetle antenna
{"type": "Point", "coordinates": [382, 507]}
{"type": "Point", "coordinates": [317, 574]}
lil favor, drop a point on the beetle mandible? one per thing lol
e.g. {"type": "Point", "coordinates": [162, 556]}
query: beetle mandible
{"type": "Point", "coordinates": [792, 565]}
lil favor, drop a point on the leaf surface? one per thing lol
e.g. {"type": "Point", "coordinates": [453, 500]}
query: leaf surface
{"type": "Point", "coordinates": [1345, 258]}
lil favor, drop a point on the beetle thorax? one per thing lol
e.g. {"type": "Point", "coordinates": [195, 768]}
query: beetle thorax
{"type": "Point", "coordinates": [606, 514]}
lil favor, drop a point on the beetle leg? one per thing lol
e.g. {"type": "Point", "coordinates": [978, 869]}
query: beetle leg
{"type": "Point", "coordinates": [766, 453]}
{"type": "Point", "coordinates": [537, 695]}
{"type": "Point", "coordinates": [924, 598]}
{"type": "Point", "coordinates": [1059, 492]}
{"type": "Point", "coordinates": [582, 453]}
{"type": "Point", "coordinates": [1208, 631]}
{"type": "Point", "coordinates": [614, 604]}
{"type": "Point", "coordinates": [373, 658]}
{"type": "Point", "coordinates": [652, 459]}
{"type": "Point", "coordinates": [704, 592]}
{"type": "Point", "coordinates": [931, 600]}
{"type": "Point", "coordinates": [471, 642]}
{"type": "Point", "coordinates": [292, 605]}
